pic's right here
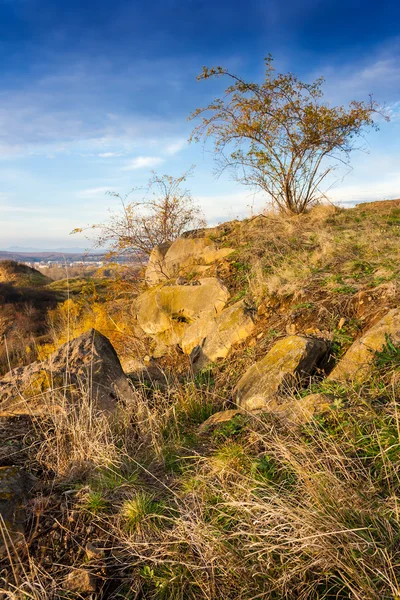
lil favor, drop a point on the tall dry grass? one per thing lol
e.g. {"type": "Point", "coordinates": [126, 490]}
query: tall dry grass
{"type": "Point", "coordinates": [278, 515]}
{"type": "Point", "coordinates": [264, 509]}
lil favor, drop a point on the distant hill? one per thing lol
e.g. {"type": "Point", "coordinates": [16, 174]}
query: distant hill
{"type": "Point", "coordinates": [37, 256]}
{"type": "Point", "coordinates": [21, 275]}
{"type": "Point", "coordinates": [77, 250]}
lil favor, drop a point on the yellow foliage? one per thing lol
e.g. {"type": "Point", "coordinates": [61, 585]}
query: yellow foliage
{"type": "Point", "coordinates": [72, 318]}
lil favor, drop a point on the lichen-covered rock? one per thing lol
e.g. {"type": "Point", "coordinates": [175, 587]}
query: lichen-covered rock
{"type": "Point", "coordinates": [302, 410]}
{"type": "Point", "coordinates": [15, 486]}
{"type": "Point", "coordinates": [288, 361]}
{"type": "Point", "coordinates": [184, 253]}
{"type": "Point", "coordinates": [213, 339]}
{"type": "Point", "coordinates": [89, 363]}
{"type": "Point", "coordinates": [356, 363]}
{"type": "Point", "coordinates": [169, 309]}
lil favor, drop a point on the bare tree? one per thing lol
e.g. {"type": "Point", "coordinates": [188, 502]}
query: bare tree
{"type": "Point", "coordinates": [165, 212]}
{"type": "Point", "coordinates": [279, 136]}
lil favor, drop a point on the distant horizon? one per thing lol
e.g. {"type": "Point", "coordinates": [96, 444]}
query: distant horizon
{"type": "Point", "coordinates": [69, 250]}
{"type": "Point", "coordinates": [85, 250]}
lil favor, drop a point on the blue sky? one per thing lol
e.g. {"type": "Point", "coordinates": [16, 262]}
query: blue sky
{"type": "Point", "coordinates": [93, 95]}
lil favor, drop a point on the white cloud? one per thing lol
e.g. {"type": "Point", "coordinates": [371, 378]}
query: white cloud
{"type": "Point", "coordinates": [110, 154]}
{"type": "Point", "coordinates": [93, 192]}
{"type": "Point", "coordinates": [175, 147]}
{"type": "Point", "coordinates": [49, 116]}
{"type": "Point", "coordinates": [143, 162]}
{"type": "Point", "coordinates": [393, 111]}
{"type": "Point", "coordinates": [378, 75]}
{"type": "Point", "coordinates": [359, 192]}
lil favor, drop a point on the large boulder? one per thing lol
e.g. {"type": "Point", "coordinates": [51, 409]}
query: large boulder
{"type": "Point", "coordinates": [146, 373]}
{"type": "Point", "coordinates": [289, 360]}
{"type": "Point", "coordinates": [166, 311]}
{"type": "Point", "coordinates": [87, 364]}
{"type": "Point", "coordinates": [168, 262]}
{"type": "Point", "coordinates": [356, 363]}
{"type": "Point", "coordinates": [155, 267]}
{"type": "Point", "coordinates": [210, 340]}
{"type": "Point", "coordinates": [150, 313]}
{"type": "Point", "coordinates": [15, 486]}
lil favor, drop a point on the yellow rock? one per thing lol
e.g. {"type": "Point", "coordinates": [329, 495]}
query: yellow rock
{"type": "Point", "coordinates": [183, 255]}
{"type": "Point", "coordinates": [289, 360]}
{"type": "Point", "coordinates": [80, 581]}
{"type": "Point", "coordinates": [356, 363]}
{"type": "Point", "coordinates": [196, 333]}
{"type": "Point", "coordinates": [174, 307]}
{"type": "Point", "coordinates": [213, 254]}
{"type": "Point", "coordinates": [168, 338]}
{"type": "Point", "coordinates": [154, 270]}
{"type": "Point", "coordinates": [217, 336]}
{"type": "Point", "coordinates": [151, 318]}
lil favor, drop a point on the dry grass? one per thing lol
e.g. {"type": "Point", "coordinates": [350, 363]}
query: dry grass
{"type": "Point", "coordinates": [298, 253]}
{"type": "Point", "coordinates": [259, 508]}
{"type": "Point", "coordinates": [280, 514]}
{"type": "Point", "coordinates": [264, 510]}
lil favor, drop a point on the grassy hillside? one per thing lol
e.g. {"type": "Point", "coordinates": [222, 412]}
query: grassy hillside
{"type": "Point", "coordinates": [21, 275]}
{"type": "Point", "coordinates": [23, 322]}
{"type": "Point", "coordinates": [77, 285]}
{"type": "Point", "coordinates": [150, 505]}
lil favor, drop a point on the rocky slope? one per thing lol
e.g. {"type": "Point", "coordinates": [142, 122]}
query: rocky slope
{"type": "Point", "coordinates": [254, 449]}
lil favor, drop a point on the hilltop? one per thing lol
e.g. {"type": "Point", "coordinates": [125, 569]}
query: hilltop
{"type": "Point", "coordinates": [250, 445]}
{"type": "Point", "coordinates": [21, 275]}
{"type": "Point", "coordinates": [24, 303]}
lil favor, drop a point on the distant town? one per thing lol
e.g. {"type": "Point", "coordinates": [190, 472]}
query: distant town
{"type": "Point", "coordinates": [46, 264]}
{"type": "Point", "coordinates": [58, 265]}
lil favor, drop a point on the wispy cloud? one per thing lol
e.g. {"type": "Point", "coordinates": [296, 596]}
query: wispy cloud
{"type": "Point", "coordinates": [94, 192]}
{"type": "Point", "coordinates": [393, 111]}
{"type": "Point", "coordinates": [358, 192]}
{"type": "Point", "coordinates": [53, 112]}
{"type": "Point", "coordinates": [378, 74]}
{"type": "Point", "coordinates": [175, 147]}
{"type": "Point", "coordinates": [11, 208]}
{"type": "Point", "coordinates": [143, 162]}
{"type": "Point", "coordinates": [110, 154]}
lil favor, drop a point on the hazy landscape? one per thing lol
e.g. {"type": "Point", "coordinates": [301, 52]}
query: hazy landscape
{"type": "Point", "coordinates": [199, 301]}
